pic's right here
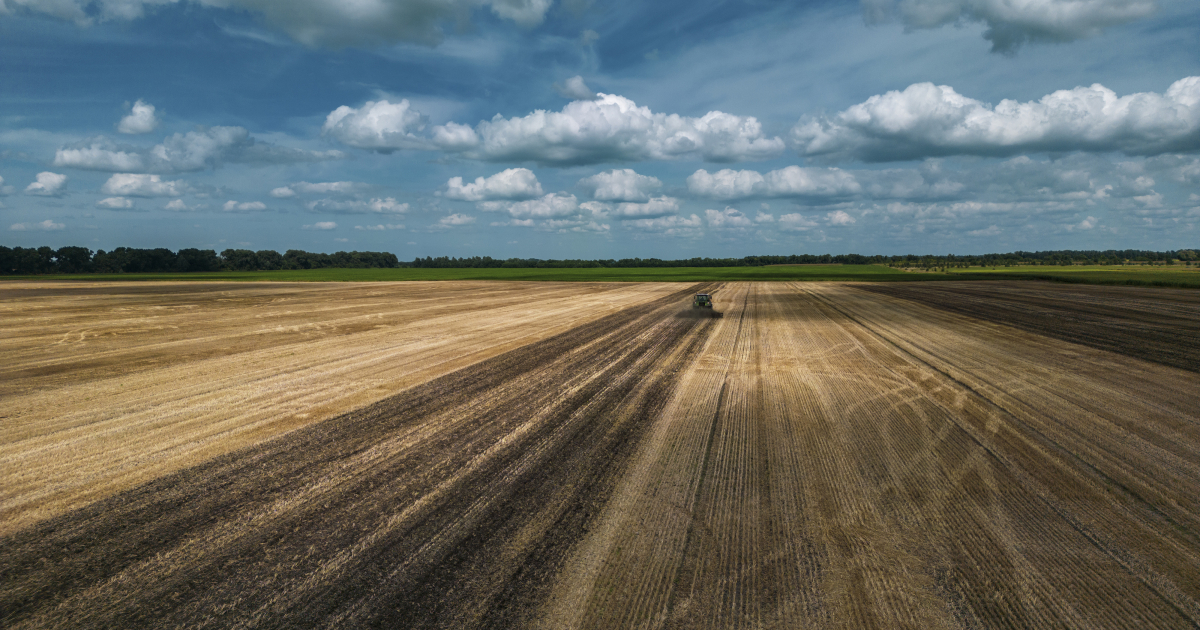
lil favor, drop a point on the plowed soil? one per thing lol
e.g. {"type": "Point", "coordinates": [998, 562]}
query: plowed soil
{"type": "Point", "coordinates": [1160, 325]}
{"type": "Point", "coordinates": [815, 456]}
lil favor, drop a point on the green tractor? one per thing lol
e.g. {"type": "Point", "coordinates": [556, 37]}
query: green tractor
{"type": "Point", "coordinates": [702, 300]}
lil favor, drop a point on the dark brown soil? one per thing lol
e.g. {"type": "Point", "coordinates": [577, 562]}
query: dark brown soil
{"type": "Point", "coordinates": [1159, 325]}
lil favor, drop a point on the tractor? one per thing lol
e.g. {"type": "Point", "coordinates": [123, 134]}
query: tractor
{"type": "Point", "coordinates": [702, 300]}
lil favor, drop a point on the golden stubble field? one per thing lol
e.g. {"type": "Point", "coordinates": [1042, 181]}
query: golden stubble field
{"type": "Point", "coordinates": [568, 456]}
{"type": "Point", "coordinates": [104, 386]}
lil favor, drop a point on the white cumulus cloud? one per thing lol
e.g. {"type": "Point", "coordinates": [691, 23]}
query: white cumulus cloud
{"type": "Point", "coordinates": [620, 185]}
{"type": "Point", "coordinates": [1010, 23]}
{"type": "Point", "coordinates": [179, 206]}
{"type": "Point", "coordinates": [142, 185]}
{"type": "Point", "coordinates": [840, 217]}
{"type": "Point", "coordinates": [654, 207]}
{"type": "Point", "coordinates": [455, 219]}
{"type": "Point", "coordinates": [378, 125]}
{"type": "Point", "coordinates": [243, 206]}
{"type": "Point", "coordinates": [991, 230]}
{"type": "Point", "coordinates": [44, 226]}
{"type": "Point", "coordinates": [141, 119]}
{"type": "Point", "coordinates": [386, 205]}
{"type": "Point", "coordinates": [100, 156]}
{"type": "Point", "coordinates": [608, 129]}
{"type": "Point", "coordinates": [321, 225]}
{"type": "Point", "coordinates": [929, 120]}
{"type": "Point", "coordinates": [792, 181]}
{"type": "Point", "coordinates": [728, 218]}
{"type": "Point", "coordinates": [553, 205]}
{"type": "Point", "coordinates": [669, 226]}
{"type": "Point", "coordinates": [513, 183]}
{"type": "Point", "coordinates": [283, 192]}
{"type": "Point", "coordinates": [575, 89]}
{"type": "Point", "coordinates": [47, 184]}
{"type": "Point", "coordinates": [573, 225]}
{"type": "Point", "coordinates": [115, 203]}
{"type": "Point", "coordinates": [796, 222]}
{"type": "Point", "coordinates": [192, 151]}
{"type": "Point", "coordinates": [381, 227]}
{"type": "Point", "coordinates": [324, 188]}
{"type": "Point", "coordinates": [614, 128]}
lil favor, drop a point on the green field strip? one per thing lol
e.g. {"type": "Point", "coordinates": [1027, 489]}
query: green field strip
{"type": "Point", "coordinates": [1176, 276]}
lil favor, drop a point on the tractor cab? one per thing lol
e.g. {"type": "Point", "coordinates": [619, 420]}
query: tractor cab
{"type": "Point", "coordinates": [702, 300]}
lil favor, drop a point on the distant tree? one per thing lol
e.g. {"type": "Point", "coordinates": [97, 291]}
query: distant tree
{"type": "Point", "coordinates": [269, 259]}
{"type": "Point", "coordinates": [73, 260]}
{"type": "Point", "coordinates": [106, 262]}
{"type": "Point", "coordinates": [239, 260]}
{"type": "Point", "coordinates": [149, 260]}
{"type": "Point", "coordinates": [197, 260]}
{"type": "Point", "coordinates": [27, 260]}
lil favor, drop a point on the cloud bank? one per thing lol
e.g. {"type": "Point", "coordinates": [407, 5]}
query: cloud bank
{"type": "Point", "coordinates": [192, 151]}
{"type": "Point", "coordinates": [386, 205]}
{"type": "Point", "coordinates": [43, 226]}
{"type": "Point", "coordinates": [143, 185]}
{"type": "Point", "coordinates": [792, 181]}
{"type": "Point", "coordinates": [331, 23]}
{"type": "Point", "coordinates": [610, 128]}
{"type": "Point", "coordinates": [927, 120]}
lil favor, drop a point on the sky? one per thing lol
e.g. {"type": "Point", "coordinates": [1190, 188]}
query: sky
{"type": "Point", "coordinates": [587, 129]}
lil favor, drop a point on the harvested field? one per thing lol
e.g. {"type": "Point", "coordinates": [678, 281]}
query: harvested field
{"type": "Point", "coordinates": [106, 386]}
{"type": "Point", "coordinates": [818, 456]}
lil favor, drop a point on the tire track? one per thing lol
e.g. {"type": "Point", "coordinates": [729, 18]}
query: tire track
{"type": "Point", "coordinates": [815, 469]}
{"type": "Point", "coordinates": [1056, 493]}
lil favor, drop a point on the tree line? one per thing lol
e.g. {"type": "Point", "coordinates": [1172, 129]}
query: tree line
{"type": "Point", "coordinates": [1065, 257]}
{"type": "Point", "coordinates": [1060, 257]}
{"type": "Point", "coordinates": [487, 262]}
{"type": "Point", "coordinates": [45, 260]}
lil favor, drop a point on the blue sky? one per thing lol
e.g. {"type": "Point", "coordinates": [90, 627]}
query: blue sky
{"type": "Point", "coordinates": [580, 129]}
